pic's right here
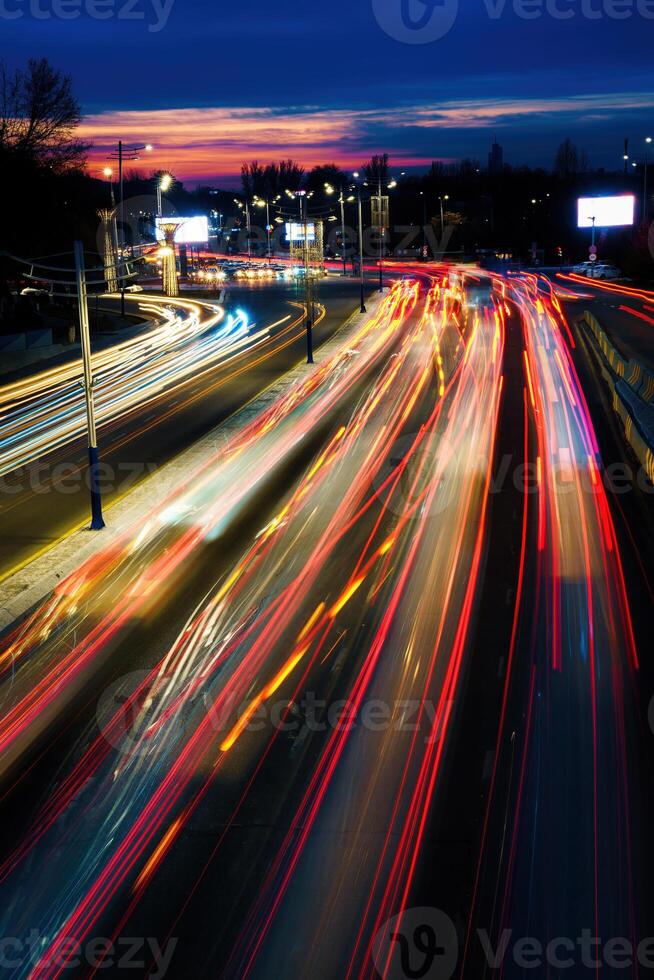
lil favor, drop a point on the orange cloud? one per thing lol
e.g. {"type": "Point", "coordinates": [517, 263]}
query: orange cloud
{"type": "Point", "coordinates": [211, 143]}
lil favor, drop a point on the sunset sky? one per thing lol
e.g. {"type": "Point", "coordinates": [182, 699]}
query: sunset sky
{"type": "Point", "coordinates": [218, 84]}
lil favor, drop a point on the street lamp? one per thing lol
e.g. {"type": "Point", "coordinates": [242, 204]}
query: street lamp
{"type": "Point", "coordinates": [123, 152]}
{"type": "Point", "coordinates": [108, 173]}
{"type": "Point", "coordinates": [648, 140]}
{"type": "Point", "coordinates": [444, 197]}
{"type": "Point", "coordinates": [358, 190]}
{"type": "Point", "coordinates": [341, 200]}
{"type": "Point", "coordinates": [247, 222]}
{"type": "Point", "coordinates": [164, 184]}
{"type": "Point", "coordinates": [260, 203]}
{"type": "Point", "coordinates": [391, 184]}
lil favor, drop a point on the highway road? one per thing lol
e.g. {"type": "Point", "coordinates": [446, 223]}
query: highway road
{"type": "Point", "coordinates": [154, 394]}
{"type": "Point", "coordinates": [386, 651]}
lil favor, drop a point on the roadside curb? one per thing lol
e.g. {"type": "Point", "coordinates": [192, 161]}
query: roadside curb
{"type": "Point", "coordinates": [20, 592]}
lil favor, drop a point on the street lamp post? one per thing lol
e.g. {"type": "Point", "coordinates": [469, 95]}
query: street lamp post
{"type": "Point", "coordinates": [265, 204]}
{"type": "Point", "coordinates": [268, 229]}
{"type": "Point", "coordinates": [648, 141]}
{"type": "Point", "coordinates": [125, 153]}
{"type": "Point", "coordinates": [381, 239]}
{"type": "Point", "coordinates": [424, 224]}
{"type": "Point", "coordinates": [363, 305]}
{"type": "Point", "coordinates": [442, 198]}
{"type": "Point", "coordinates": [382, 231]}
{"type": "Point", "coordinates": [163, 184]}
{"type": "Point", "coordinates": [308, 286]}
{"type": "Point", "coordinates": [341, 201]}
{"type": "Point", "coordinates": [108, 173]}
{"type": "Point", "coordinates": [97, 522]}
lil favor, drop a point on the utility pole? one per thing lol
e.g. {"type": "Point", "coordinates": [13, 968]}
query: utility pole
{"type": "Point", "coordinates": [97, 523]}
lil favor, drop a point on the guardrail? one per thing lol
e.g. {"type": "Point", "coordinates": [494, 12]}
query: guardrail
{"type": "Point", "coordinates": [632, 390]}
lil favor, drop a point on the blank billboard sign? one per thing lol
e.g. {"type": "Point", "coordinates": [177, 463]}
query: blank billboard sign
{"type": "Point", "coordinates": [191, 231]}
{"type": "Point", "coordinates": [608, 212]}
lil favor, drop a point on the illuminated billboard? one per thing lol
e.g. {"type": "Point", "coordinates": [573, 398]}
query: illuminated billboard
{"type": "Point", "coordinates": [295, 231]}
{"type": "Point", "coordinates": [191, 231]}
{"type": "Point", "coordinates": [608, 212]}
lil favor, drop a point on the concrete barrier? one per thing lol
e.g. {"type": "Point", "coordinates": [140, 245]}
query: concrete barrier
{"type": "Point", "coordinates": [632, 393]}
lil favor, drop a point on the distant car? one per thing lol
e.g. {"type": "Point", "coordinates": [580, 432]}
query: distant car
{"type": "Point", "coordinates": [604, 270]}
{"type": "Point", "coordinates": [34, 291]}
{"type": "Point", "coordinates": [134, 288]}
{"type": "Point", "coordinates": [597, 270]}
{"type": "Point", "coordinates": [583, 269]}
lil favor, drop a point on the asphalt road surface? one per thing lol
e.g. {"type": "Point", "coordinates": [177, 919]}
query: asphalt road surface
{"type": "Point", "coordinates": [153, 399]}
{"type": "Point", "coordinates": [389, 653]}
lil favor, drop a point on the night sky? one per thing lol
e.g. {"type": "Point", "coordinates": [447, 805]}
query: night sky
{"type": "Point", "coordinates": [218, 83]}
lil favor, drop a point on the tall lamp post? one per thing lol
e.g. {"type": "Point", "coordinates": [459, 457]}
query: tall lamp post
{"type": "Point", "coordinates": [265, 203]}
{"type": "Point", "coordinates": [358, 189]}
{"type": "Point", "coordinates": [382, 229]}
{"type": "Point", "coordinates": [125, 152]}
{"type": "Point", "coordinates": [341, 200]}
{"type": "Point", "coordinates": [424, 224]}
{"type": "Point", "coordinates": [108, 173]}
{"type": "Point", "coordinates": [97, 522]}
{"type": "Point", "coordinates": [648, 141]}
{"type": "Point", "coordinates": [164, 183]}
{"type": "Point", "coordinates": [441, 198]}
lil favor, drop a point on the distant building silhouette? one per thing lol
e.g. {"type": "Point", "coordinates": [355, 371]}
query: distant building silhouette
{"type": "Point", "coordinates": [496, 159]}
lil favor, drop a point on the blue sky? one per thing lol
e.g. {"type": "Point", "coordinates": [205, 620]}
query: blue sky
{"type": "Point", "coordinates": [588, 76]}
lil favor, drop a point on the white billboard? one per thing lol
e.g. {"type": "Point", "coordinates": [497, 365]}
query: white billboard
{"type": "Point", "coordinates": [295, 231]}
{"type": "Point", "coordinates": [191, 231]}
{"type": "Point", "coordinates": [608, 212]}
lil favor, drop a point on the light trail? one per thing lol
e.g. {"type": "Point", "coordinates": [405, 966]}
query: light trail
{"type": "Point", "coordinates": [360, 587]}
{"type": "Point", "coordinates": [46, 411]}
{"type": "Point", "coordinates": [568, 864]}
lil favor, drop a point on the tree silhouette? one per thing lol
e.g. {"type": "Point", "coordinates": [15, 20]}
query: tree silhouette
{"type": "Point", "coordinates": [39, 115]}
